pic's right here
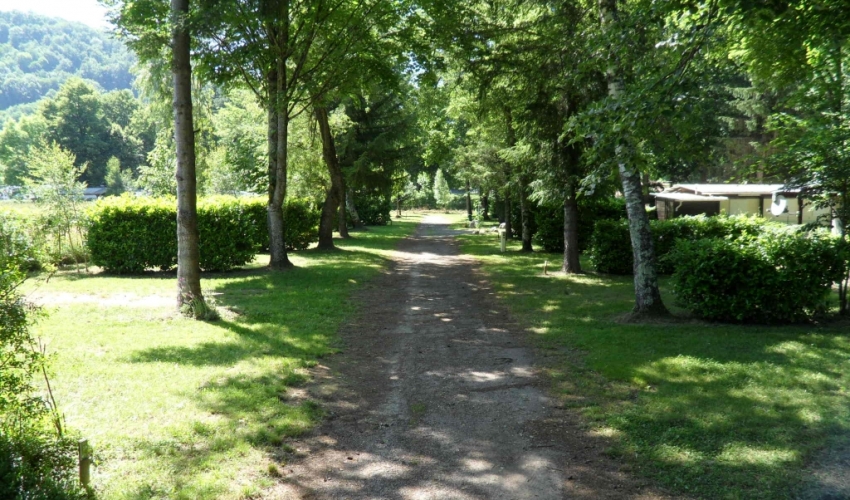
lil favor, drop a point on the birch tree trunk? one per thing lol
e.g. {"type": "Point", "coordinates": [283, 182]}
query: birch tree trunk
{"type": "Point", "coordinates": [352, 209]}
{"type": "Point", "coordinates": [342, 219]}
{"type": "Point", "coordinates": [508, 229]}
{"type": "Point", "coordinates": [333, 198]}
{"type": "Point", "coordinates": [189, 296]}
{"type": "Point", "coordinates": [468, 200]}
{"type": "Point", "coordinates": [647, 295]}
{"type": "Point", "coordinates": [525, 210]}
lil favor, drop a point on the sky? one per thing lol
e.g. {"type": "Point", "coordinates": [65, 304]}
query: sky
{"type": "Point", "coordinates": [84, 11]}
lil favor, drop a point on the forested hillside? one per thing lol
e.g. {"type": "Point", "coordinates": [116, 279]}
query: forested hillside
{"type": "Point", "coordinates": [38, 54]}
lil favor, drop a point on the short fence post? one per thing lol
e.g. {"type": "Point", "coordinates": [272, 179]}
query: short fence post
{"type": "Point", "coordinates": [85, 462]}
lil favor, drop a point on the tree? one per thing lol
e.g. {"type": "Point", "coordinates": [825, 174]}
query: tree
{"type": "Point", "coordinates": [17, 140]}
{"type": "Point", "coordinates": [442, 193]}
{"type": "Point", "coordinates": [190, 298]}
{"type": "Point", "coordinates": [799, 51]}
{"type": "Point", "coordinates": [53, 181]}
{"type": "Point", "coordinates": [118, 180]}
{"type": "Point", "coordinates": [75, 121]}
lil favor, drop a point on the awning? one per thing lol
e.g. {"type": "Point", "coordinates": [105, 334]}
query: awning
{"type": "Point", "coordinates": [687, 197]}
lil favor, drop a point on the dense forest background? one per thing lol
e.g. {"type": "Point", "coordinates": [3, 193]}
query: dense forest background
{"type": "Point", "coordinates": [38, 54]}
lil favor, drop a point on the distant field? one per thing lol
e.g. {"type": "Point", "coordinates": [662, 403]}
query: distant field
{"type": "Point", "coordinates": [18, 207]}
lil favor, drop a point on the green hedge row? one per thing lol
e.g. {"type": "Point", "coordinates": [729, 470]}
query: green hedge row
{"type": "Point", "coordinates": [128, 234]}
{"type": "Point", "coordinates": [783, 275]}
{"type": "Point", "coordinates": [550, 221]}
{"type": "Point", "coordinates": [611, 248]}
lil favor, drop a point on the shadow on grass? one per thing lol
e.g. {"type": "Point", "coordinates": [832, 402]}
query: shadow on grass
{"type": "Point", "coordinates": [278, 325]}
{"type": "Point", "coordinates": [711, 410]}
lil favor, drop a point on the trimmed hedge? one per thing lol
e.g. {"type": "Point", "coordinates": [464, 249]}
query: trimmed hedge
{"type": "Point", "coordinates": [783, 275]}
{"type": "Point", "coordinates": [550, 221]}
{"type": "Point", "coordinates": [373, 208]}
{"type": "Point", "coordinates": [128, 234]}
{"type": "Point", "coordinates": [611, 248]}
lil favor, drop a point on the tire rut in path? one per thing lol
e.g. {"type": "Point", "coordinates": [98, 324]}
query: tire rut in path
{"type": "Point", "coordinates": [435, 396]}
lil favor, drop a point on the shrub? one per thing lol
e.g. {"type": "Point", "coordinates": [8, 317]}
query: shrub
{"type": "Point", "coordinates": [550, 221]}
{"type": "Point", "coordinates": [783, 275]}
{"type": "Point", "coordinates": [17, 245]}
{"type": "Point", "coordinates": [611, 249]}
{"type": "Point", "coordinates": [36, 462]}
{"type": "Point", "coordinates": [302, 224]}
{"type": "Point", "coordinates": [129, 235]}
{"type": "Point", "coordinates": [374, 208]}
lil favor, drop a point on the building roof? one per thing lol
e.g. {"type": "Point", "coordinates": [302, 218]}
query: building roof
{"type": "Point", "coordinates": [731, 189]}
{"type": "Point", "coordinates": [687, 197]}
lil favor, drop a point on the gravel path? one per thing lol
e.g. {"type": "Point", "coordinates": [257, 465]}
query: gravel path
{"type": "Point", "coordinates": [436, 396]}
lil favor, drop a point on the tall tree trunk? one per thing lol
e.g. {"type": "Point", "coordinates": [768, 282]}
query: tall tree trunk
{"type": "Point", "coordinates": [525, 210]}
{"type": "Point", "coordinates": [485, 204]}
{"type": "Point", "coordinates": [508, 229]}
{"type": "Point", "coordinates": [468, 200]}
{"type": "Point", "coordinates": [352, 208]}
{"type": "Point", "coordinates": [647, 295]}
{"type": "Point", "coordinates": [342, 219]}
{"type": "Point", "coordinates": [189, 295]}
{"type": "Point", "coordinates": [333, 198]}
{"type": "Point", "coordinates": [279, 132]}
{"type": "Point", "coordinates": [572, 264]}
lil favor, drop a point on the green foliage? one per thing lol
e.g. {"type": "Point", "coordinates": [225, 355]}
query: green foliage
{"type": "Point", "coordinates": [784, 275]}
{"type": "Point", "coordinates": [302, 224]}
{"type": "Point", "coordinates": [38, 54]}
{"type": "Point", "coordinates": [37, 465]}
{"type": "Point", "coordinates": [36, 462]}
{"type": "Point", "coordinates": [130, 235]}
{"type": "Point", "coordinates": [550, 221]}
{"type": "Point", "coordinates": [53, 182]}
{"type": "Point", "coordinates": [374, 208]}
{"type": "Point", "coordinates": [118, 180]}
{"type": "Point", "coordinates": [611, 249]}
{"type": "Point", "coordinates": [442, 194]}
{"type": "Point", "coordinates": [18, 247]}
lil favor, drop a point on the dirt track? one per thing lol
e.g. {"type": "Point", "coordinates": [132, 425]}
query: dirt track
{"type": "Point", "coordinates": [436, 396]}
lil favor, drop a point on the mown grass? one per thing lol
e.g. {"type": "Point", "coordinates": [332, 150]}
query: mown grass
{"type": "Point", "coordinates": [181, 409]}
{"type": "Point", "coordinates": [706, 410]}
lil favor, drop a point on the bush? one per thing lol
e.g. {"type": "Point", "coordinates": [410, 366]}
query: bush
{"type": "Point", "coordinates": [17, 245]}
{"type": "Point", "coordinates": [35, 462]}
{"type": "Point", "coordinates": [611, 248]}
{"type": "Point", "coordinates": [374, 208]}
{"type": "Point", "coordinates": [550, 221]}
{"type": "Point", "coordinates": [302, 224]}
{"type": "Point", "coordinates": [129, 235]}
{"type": "Point", "coordinates": [784, 275]}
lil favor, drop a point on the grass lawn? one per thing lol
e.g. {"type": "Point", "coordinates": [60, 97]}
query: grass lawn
{"type": "Point", "coordinates": [19, 208]}
{"type": "Point", "coordinates": [181, 409]}
{"type": "Point", "coordinates": [711, 411]}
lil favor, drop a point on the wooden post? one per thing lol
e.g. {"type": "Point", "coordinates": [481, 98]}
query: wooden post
{"type": "Point", "coordinates": [85, 462]}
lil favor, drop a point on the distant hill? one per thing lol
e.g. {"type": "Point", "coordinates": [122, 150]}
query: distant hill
{"type": "Point", "coordinates": [38, 53]}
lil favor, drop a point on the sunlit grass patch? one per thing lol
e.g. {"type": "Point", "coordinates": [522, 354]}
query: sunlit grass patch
{"type": "Point", "coordinates": [707, 410]}
{"type": "Point", "coordinates": [177, 408]}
